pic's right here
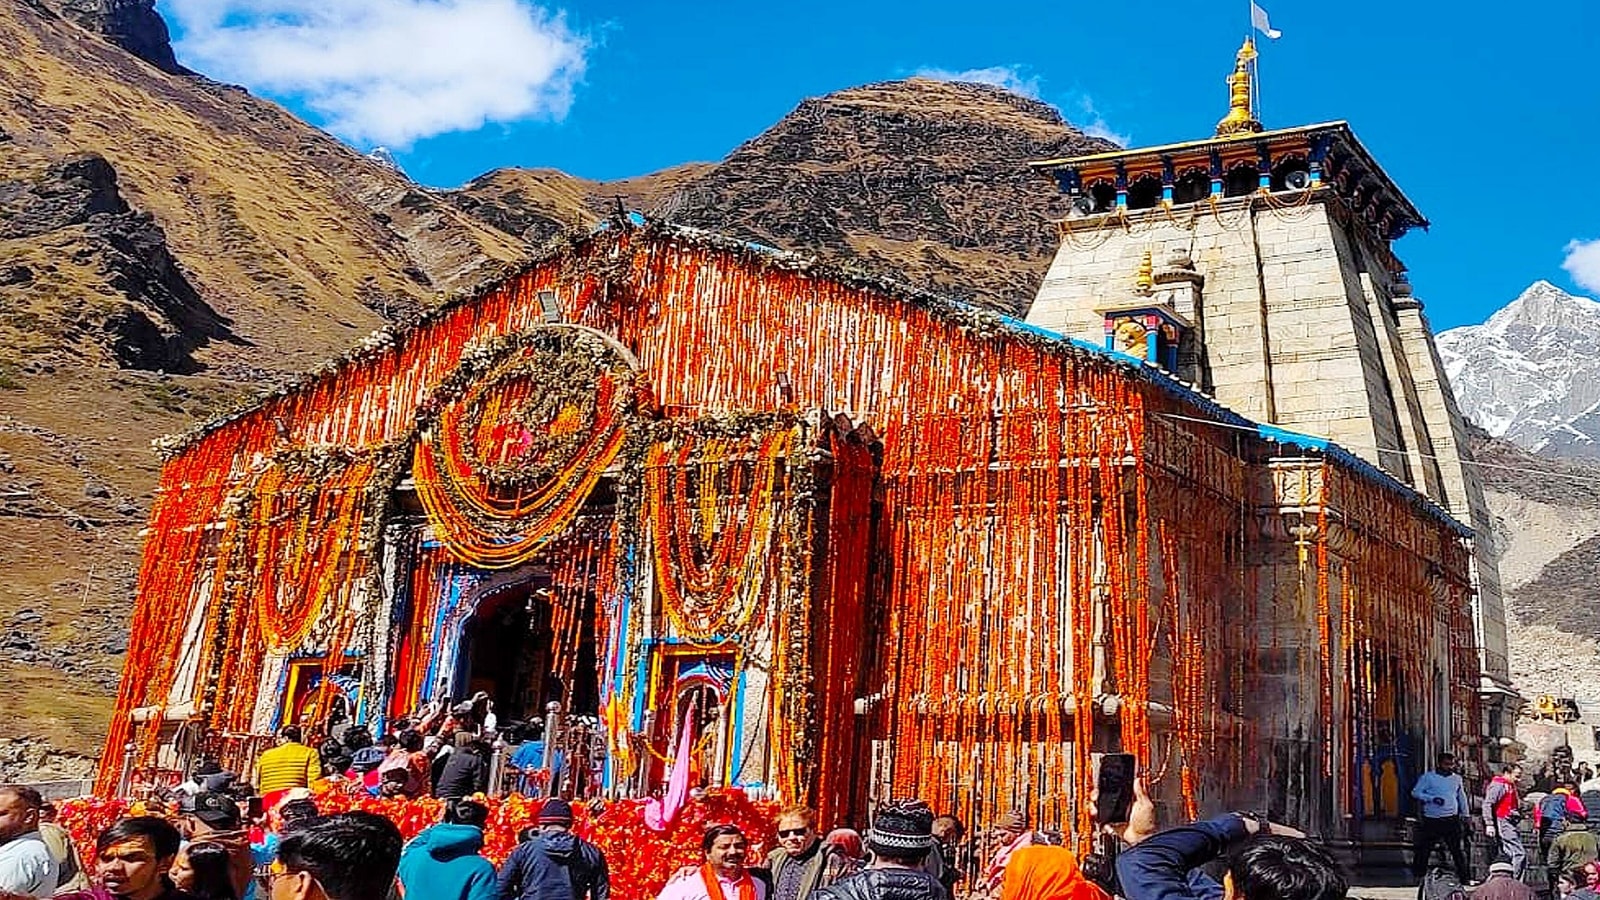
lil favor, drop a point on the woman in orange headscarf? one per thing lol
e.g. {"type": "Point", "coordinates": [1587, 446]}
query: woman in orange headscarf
{"type": "Point", "coordinates": [1042, 872]}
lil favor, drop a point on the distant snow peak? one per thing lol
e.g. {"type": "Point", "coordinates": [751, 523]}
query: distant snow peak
{"type": "Point", "coordinates": [383, 157]}
{"type": "Point", "coordinates": [1531, 373]}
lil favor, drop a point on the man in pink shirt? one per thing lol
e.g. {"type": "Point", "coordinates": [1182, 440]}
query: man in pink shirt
{"type": "Point", "coordinates": [723, 876]}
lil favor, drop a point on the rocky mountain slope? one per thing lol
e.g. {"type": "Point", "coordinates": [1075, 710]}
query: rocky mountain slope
{"type": "Point", "coordinates": [169, 245]}
{"type": "Point", "coordinates": [1547, 517]}
{"type": "Point", "coordinates": [1531, 374]}
{"type": "Point", "coordinates": [924, 179]}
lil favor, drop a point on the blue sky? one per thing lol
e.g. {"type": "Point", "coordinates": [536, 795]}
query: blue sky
{"type": "Point", "coordinates": [1487, 115]}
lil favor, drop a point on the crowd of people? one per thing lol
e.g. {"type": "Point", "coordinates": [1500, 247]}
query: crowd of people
{"type": "Point", "coordinates": [228, 840]}
{"type": "Point", "coordinates": [210, 850]}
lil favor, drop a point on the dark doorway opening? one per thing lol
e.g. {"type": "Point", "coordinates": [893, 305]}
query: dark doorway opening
{"type": "Point", "coordinates": [523, 652]}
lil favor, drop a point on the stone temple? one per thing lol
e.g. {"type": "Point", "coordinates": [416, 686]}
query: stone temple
{"type": "Point", "coordinates": [1268, 280]}
{"type": "Point", "coordinates": [833, 539]}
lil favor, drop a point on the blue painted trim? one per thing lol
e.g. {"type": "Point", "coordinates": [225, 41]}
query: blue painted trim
{"type": "Point", "coordinates": [736, 755]}
{"type": "Point", "coordinates": [1210, 407]}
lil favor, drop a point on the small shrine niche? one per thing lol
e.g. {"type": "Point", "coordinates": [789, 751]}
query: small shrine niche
{"type": "Point", "coordinates": [1157, 323]}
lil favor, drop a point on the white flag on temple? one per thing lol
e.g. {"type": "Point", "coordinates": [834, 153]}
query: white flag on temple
{"type": "Point", "coordinates": [1258, 18]}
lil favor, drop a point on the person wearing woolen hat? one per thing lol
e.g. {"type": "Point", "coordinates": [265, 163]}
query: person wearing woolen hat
{"type": "Point", "coordinates": [901, 837]}
{"type": "Point", "coordinates": [1503, 884]}
{"type": "Point", "coordinates": [555, 864]}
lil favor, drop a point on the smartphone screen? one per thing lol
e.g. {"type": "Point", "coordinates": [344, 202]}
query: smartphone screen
{"type": "Point", "coordinates": [1115, 788]}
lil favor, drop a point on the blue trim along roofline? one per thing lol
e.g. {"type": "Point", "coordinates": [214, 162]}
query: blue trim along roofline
{"type": "Point", "coordinates": [1174, 387]}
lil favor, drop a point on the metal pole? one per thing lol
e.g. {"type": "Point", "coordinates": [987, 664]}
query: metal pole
{"type": "Point", "coordinates": [125, 780]}
{"type": "Point", "coordinates": [497, 769]}
{"type": "Point", "coordinates": [718, 777]}
{"type": "Point", "coordinates": [642, 788]}
{"type": "Point", "coordinates": [552, 733]}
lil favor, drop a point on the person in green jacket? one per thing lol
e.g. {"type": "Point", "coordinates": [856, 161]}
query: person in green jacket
{"type": "Point", "coordinates": [802, 862]}
{"type": "Point", "coordinates": [1574, 847]}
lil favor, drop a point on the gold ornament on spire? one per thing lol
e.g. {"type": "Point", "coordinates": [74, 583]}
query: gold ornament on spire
{"type": "Point", "coordinates": [1145, 280]}
{"type": "Point", "coordinates": [1241, 117]}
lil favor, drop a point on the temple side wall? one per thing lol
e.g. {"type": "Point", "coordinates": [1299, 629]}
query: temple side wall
{"type": "Point", "coordinates": [1302, 325]}
{"type": "Point", "coordinates": [1463, 490]}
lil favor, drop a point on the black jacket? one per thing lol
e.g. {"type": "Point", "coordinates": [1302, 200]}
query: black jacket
{"type": "Point", "coordinates": [464, 773]}
{"type": "Point", "coordinates": [885, 884]}
{"type": "Point", "coordinates": [555, 865]}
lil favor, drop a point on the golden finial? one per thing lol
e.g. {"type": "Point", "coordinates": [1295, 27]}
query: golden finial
{"type": "Point", "coordinates": [1145, 280]}
{"type": "Point", "coordinates": [1241, 115]}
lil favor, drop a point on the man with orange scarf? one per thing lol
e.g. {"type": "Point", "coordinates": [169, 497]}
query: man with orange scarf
{"type": "Point", "coordinates": [724, 875]}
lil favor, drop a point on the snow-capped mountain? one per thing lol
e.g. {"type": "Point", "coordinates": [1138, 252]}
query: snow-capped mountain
{"type": "Point", "coordinates": [1531, 374]}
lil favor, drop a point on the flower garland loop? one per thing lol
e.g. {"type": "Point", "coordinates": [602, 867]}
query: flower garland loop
{"type": "Point", "coordinates": [711, 500]}
{"type": "Point", "coordinates": [518, 437]}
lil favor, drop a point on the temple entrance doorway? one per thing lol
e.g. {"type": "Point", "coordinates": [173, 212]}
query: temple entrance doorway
{"type": "Point", "coordinates": [527, 645]}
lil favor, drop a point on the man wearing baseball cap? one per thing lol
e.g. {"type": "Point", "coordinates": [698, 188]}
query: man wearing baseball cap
{"type": "Point", "coordinates": [900, 838]}
{"type": "Point", "coordinates": [554, 863]}
{"type": "Point", "coordinates": [214, 817]}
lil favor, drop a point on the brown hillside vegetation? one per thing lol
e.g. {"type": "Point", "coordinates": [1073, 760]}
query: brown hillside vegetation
{"type": "Point", "coordinates": [167, 246]}
{"type": "Point", "coordinates": [170, 245]}
{"type": "Point", "coordinates": [925, 180]}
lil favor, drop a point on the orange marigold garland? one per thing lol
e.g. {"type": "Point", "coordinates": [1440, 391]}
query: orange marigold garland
{"type": "Point", "coordinates": [710, 566]}
{"type": "Point", "coordinates": [525, 429]}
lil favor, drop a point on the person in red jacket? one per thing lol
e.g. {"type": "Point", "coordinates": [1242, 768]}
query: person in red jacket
{"type": "Point", "coordinates": [1502, 811]}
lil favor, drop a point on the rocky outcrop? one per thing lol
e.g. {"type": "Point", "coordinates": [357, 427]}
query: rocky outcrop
{"type": "Point", "coordinates": [133, 25]}
{"type": "Point", "coordinates": [26, 761]}
{"type": "Point", "coordinates": [926, 181]}
{"type": "Point", "coordinates": [149, 315]}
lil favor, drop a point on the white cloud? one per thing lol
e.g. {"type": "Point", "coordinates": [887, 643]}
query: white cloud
{"type": "Point", "coordinates": [1008, 77]}
{"type": "Point", "coordinates": [1094, 125]}
{"type": "Point", "coordinates": [390, 71]}
{"type": "Point", "coordinates": [1013, 79]}
{"type": "Point", "coordinates": [1583, 263]}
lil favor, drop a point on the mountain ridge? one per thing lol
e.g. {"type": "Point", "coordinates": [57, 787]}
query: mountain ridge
{"type": "Point", "coordinates": [1531, 372]}
{"type": "Point", "coordinates": [171, 246]}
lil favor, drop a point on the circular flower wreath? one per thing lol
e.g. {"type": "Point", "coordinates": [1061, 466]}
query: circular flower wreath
{"type": "Point", "coordinates": [520, 434]}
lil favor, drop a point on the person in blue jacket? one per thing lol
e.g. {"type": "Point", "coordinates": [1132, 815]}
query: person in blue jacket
{"type": "Point", "coordinates": [1264, 861]}
{"type": "Point", "coordinates": [554, 863]}
{"type": "Point", "coordinates": [443, 862]}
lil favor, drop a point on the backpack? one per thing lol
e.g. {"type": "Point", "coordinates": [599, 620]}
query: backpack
{"type": "Point", "coordinates": [1440, 884]}
{"type": "Point", "coordinates": [1553, 811]}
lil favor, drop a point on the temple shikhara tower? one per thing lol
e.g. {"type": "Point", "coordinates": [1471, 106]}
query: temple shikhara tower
{"type": "Point", "coordinates": [1268, 280]}
{"type": "Point", "coordinates": [832, 539]}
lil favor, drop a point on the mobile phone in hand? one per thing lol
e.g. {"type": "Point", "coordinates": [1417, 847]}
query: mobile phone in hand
{"type": "Point", "coordinates": [1114, 786]}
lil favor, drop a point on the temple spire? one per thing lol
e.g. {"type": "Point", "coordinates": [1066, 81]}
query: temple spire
{"type": "Point", "coordinates": [1241, 115]}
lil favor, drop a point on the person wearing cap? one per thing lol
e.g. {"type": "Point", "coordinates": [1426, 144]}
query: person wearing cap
{"type": "Point", "coordinates": [26, 867]}
{"type": "Point", "coordinates": [900, 839]}
{"type": "Point", "coordinates": [291, 764]}
{"type": "Point", "coordinates": [209, 816]}
{"type": "Point", "coordinates": [723, 875]}
{"type": "Point", "coordinates": [554, 863]}
{"type": "Point", "coordinates": [1502, 883]}
{"type": "Point", "coordinates": [445, 862]}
